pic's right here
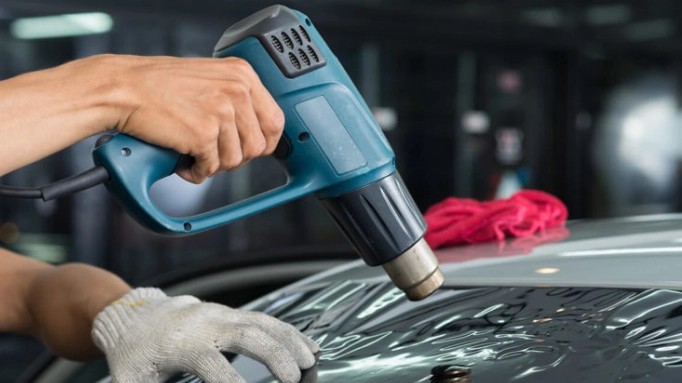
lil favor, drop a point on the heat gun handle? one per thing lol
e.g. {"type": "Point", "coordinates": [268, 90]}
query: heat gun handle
{"type": "Point", "coordinates": [134, 166]}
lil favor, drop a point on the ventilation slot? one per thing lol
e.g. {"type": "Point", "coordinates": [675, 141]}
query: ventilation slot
{"type": "Point", "coordinates": [296, 36]}
{"type": "Point", "coordinates": [277, 44]}
{"type": "Point", "coordinates": [304, 33]}
{"type": "Point", "coordinates": [313, 54]}
{"type": "Point", "coordinates": [294, 61]}
{"type": "Point", "coordinates": [293, 49]}
{"type": "Point", "coordinates": [304, 57]}
{"type": "Point", "coordinates": [287, 40]}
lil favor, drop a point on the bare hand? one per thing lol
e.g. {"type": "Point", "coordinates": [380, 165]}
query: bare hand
{"type": "Point", "coordinates": [215, 110]}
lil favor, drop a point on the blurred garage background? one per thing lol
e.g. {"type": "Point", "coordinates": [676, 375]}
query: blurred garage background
{"type": "Point", "coordinates": [479, 98]}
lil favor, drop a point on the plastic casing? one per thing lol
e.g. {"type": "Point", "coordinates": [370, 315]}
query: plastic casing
{"type": "Point", "coordinates": [332, 145]}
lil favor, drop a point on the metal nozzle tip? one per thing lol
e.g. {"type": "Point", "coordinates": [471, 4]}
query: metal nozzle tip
{"type": "Point", "coordinates": [416, 271]}
{"type": "Point", "coordinates": [426, 287]}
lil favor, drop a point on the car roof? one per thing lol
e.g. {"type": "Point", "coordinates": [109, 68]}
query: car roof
{"type": "Point", "coordinates": [587, 302]}
{"type": "Point", "coordinates": [631, 252]}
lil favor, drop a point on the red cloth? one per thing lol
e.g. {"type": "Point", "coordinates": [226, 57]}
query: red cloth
{"type": "Point", "coordinates": [457, 221]}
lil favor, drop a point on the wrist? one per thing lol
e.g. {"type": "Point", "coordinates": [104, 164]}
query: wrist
{"type": "Point", "coordinates": [111, 322]}
{"type": "Point", "coordinates": [107, 90]}
{"type": "Point", "coordinates": [64, 301]}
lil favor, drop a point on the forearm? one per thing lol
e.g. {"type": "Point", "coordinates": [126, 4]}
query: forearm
{"type": "Point", "coordinates": [215, 110]}
{"type": "Point", "coordinates": [56, 304]}
{"type": "Point", "coordinates": [64, 302]}
{"type": "Point", "coordinates": [48, 110]}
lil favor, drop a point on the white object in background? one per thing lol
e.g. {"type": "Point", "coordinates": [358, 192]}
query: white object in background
{"type": "Point", "coordinates": [509, 184]}
{"type": "Point", "coordinates": [387, 118]}
{"type": "Point", "coordinates": [475, 122]}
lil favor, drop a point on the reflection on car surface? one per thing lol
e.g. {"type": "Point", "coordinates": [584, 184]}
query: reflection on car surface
{"type": "Point", "coordinates": [601, 305]}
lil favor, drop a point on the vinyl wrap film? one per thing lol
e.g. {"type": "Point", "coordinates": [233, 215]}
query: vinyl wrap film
{"type": "Point", "coordinates": [371, 333]}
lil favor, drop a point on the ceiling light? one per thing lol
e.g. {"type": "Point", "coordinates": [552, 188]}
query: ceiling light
{"type": "Point", "coordinates": [608, 14]}
{"type": "Point", "coordinates": [77, 24]}
{"type": "Point", "coordinates": [650, 30]}
{"type": "Point", "coordinates": [544, 17]}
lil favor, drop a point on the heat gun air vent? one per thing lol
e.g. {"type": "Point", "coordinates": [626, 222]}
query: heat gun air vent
{"type": "Point", "coordinates": [294, 61]}
{"type": "Point", "coordinates": [296, 37]}
{"type": "Point", "coordinates": [305, 34]}
{"type": "Point", "coordinates": [294, 50]}
{"type": "Point", "coordinates": [313, 55]}
{"type": "Point", "coordinates": [287, 40]}
{"type": "Point", "coordinates": [304, 57]}
{"type": "Point", "coordinates": [277, 44]}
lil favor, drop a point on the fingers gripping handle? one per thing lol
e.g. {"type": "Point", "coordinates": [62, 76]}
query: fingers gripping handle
{"type": "Point", "coordinates": [135, 166]}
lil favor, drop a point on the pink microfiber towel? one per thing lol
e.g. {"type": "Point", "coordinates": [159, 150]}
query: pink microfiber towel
{"type": "Point", "coordinates": [456, 221]}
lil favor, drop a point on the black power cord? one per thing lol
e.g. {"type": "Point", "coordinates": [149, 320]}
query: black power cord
{"type": "Point", "coordinates": [73, 184]}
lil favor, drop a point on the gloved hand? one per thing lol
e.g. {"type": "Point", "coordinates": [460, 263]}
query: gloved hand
{"type": "Point", "coordinates": [147, 337]}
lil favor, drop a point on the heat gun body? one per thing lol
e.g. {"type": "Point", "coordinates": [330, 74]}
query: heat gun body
{"type": "Point", "coordinates": [331, 146]}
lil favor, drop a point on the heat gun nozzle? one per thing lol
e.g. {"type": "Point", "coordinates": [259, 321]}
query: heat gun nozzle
{"type": "Point", "coordinates": [415, 271]}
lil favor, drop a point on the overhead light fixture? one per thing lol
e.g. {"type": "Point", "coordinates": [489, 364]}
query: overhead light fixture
{"type": "Point", "coordinates": [76, 24]}
{"type": "Point", "coordinates": [544, 17]}
{"type": "Point", "coordinates": [650, 30]}
{"type": "Point", "coordinates": [610, 14]}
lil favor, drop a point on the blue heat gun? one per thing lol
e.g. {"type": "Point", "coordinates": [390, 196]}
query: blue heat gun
{"type": "Point", "coordinates": [331, 147]}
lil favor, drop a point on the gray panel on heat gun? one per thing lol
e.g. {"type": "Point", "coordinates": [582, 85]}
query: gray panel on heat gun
{"type": "Point", "coordinates": [329, 132]}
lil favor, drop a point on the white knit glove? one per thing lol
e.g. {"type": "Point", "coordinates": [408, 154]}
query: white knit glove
{"type": "Point", "coordinates": [147, 337]}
